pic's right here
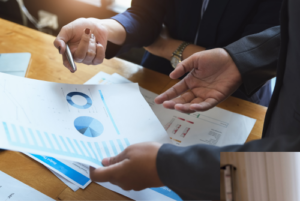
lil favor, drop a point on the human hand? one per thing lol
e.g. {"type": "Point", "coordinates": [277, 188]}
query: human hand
{"type": "Point", "coordinates": [133, 169]}
{"type": "Point", "coordinates": [87, 39]}
{"type": "Point", "coordinates": [213, 77]}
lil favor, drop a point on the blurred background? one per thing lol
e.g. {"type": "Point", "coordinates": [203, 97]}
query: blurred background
{"type": "Point", "coordinates": [50, 16]}
{"type": "Point", "coordinates": [261, 176]}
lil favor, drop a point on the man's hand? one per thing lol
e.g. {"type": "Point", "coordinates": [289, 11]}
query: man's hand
{"type": "Point", "coordinates": [133, 169]}
{"type": "Point", "coordinates": [213, 77]}
{"type": "Point", "coordinates": [87, 39]}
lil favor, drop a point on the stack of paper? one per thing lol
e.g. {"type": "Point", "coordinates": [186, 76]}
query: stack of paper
{"type": "Point", "coordinates": [69, 127]}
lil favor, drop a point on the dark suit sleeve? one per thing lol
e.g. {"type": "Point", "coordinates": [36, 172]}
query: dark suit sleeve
{"type": "Point", "coordinates": [142, 22]}
{"type": "Point", "coordinates": [256, 57]}
{"type": "Point", "coordinates": [194, 172]}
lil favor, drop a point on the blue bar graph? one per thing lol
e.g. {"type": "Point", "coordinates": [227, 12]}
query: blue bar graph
{"type": "Point", "coordinates": [48, 138]}
{"type": "Point", "coordinates": [113, 147]}
{"type": "Point", "coordinates": [24, 135]}
{"type": "Point", "coordinates": [91, 151]}
{"type": "Point", "coordinates": [15, 131]}
{"type": "Point", "coordinates": [120, 145]}
{"type": "Point", "coordinates": [56, 141]}
{"type": "Point", "coordinates": [106, 149]}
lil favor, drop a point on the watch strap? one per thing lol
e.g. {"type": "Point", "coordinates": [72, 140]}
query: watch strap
{"type": "Point", "coordinates": [180, 49]}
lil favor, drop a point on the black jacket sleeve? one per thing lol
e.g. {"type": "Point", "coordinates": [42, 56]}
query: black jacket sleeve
{"type": "Point", "coordinates": [256, 57]}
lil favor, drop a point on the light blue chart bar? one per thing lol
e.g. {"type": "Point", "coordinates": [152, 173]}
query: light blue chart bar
{"type": "Point", "coordinates": [111, 118]}
{"type": "Point", "coordinates": [91, 151]}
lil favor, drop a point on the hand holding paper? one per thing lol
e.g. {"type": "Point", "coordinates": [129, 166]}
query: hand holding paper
{"type": "Point", "coordinates": [133, 169]}
{"type": "Point", "coordinates": [213, 77]}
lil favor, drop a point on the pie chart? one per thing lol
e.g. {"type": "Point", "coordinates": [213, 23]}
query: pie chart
{"type": "Point", "coordinates": [88, 126]}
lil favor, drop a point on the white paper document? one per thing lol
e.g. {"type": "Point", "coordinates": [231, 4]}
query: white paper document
{"type": "Point", "coordinates": [13, 190]}
{"type": "Point", "coordinates": [82, 123]}
{"type": "Point", "coordinates": [216, 126]}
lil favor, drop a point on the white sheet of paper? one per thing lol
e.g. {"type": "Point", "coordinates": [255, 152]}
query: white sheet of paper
{"type": "Point", "coordinates": [12, 189]}
{"type": "Point", "coordinates": [215, 127]}
{"type": "Point", "coordinates": [82, 123]}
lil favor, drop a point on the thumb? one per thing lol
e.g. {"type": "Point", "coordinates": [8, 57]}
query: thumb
{"type": "Point", "coordinates": [105, 174]}
{"type": "Point", "coordinates": [116, 159]}
{"type": "Point", "coordinates": [185, 66]}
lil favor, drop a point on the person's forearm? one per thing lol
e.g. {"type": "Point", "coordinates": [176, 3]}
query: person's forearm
{"type": "Point", "coordinates": [167, 53]}
{"type": "Point", "coordinates": [116, 32]}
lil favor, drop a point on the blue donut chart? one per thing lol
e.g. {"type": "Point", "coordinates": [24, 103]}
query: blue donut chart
{"type": "Point", "coordinates": [88, 99]}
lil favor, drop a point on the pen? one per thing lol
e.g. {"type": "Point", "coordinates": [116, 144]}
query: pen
{"type": "Point", "coordinates": [70, 57]}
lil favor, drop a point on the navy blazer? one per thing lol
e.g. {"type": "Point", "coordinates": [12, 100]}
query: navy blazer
{"type": "Point", "coordinates": [223, 22]}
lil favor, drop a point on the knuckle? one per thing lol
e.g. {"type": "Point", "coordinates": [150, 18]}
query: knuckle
{"type": "Point", "coordinates": [90, 54]}
{"type": "Point", "coordinates": [113, 160]}
{"type": "Point", "coordinates": [85, 39]}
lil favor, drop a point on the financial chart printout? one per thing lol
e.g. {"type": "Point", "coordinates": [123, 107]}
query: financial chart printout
{"type": "Point", "coordinates": [83, 123]}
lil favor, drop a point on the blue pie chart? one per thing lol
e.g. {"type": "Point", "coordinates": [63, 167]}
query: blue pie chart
{"type": "Point", "coordinates": [87, 98]}
{"type": "Point", "coordinates": [88, 126]}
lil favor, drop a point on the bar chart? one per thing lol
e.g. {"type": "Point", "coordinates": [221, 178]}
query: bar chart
{"type": "Point", "coordinates": [93, 151]}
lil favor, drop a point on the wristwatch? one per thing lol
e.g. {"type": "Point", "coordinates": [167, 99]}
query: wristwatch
{"type": "Point", "coordinates": [177, 55]}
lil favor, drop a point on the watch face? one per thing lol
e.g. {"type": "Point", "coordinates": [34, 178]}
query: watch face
{"type": "Point", "coordinates": [175, 61]}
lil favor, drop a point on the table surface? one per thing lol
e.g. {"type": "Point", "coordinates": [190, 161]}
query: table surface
{"type": "Point", "coordinates": [46, 64]}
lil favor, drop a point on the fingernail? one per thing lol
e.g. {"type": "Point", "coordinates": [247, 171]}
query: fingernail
{"type": "Point", "coordinates": [87, 31]}
{"type": "Point", "coordinates": [59, 50]}
{"type": "Point", "coordinates": [105, 161]}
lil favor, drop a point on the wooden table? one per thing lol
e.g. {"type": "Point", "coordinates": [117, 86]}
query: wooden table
{"type": "Point", "coordinates": [46, 64]}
